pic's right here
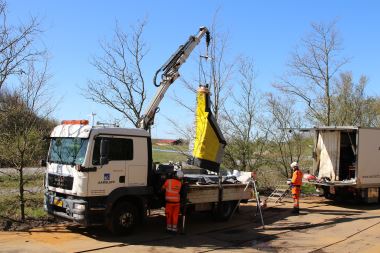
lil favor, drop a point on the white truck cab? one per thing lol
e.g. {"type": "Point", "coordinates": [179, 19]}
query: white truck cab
{"type": "Point", "coordinates": [87, 165]}
{"type": "Point", "coordinates": [75, 151]}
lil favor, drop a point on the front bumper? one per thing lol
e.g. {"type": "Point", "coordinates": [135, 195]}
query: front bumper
{"type": "Point", "coordinates": [67, 207]}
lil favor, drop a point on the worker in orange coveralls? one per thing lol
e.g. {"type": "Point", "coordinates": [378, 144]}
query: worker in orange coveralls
{"type": "Point", "coordinates": [296, 186]}
{"type": "Point", "coordinates": [172, 187]}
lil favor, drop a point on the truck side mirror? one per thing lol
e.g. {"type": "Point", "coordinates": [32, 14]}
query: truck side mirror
{"type": "Point", "coordinates": [104, 151]}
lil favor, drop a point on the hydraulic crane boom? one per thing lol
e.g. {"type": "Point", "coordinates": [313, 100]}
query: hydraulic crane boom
{"type": "Point", "coordinates": [169, 73]}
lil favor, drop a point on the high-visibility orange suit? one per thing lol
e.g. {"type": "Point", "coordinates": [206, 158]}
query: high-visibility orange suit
{"type": "Point", "coordinates": [172, 189]}
{"type": "Point", "coordinates": [296, 186]}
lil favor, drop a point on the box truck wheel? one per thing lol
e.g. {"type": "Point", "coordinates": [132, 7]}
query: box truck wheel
{"type": "Point", "coordinates": [327, 194]}
{"type": "Point", "coordinates": [224, 212]}
{"type": "Point", "coordinates": [123, 218]}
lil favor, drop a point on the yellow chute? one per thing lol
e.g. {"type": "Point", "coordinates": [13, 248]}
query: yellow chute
{"type": "Point", "coordinates": [209, 142]}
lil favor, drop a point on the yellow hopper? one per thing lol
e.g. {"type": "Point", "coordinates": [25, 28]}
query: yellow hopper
{"type": "Point", "coordinates": [209, 142]}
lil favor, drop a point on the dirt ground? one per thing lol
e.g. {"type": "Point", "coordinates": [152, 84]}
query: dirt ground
{"type": "Point", "coordinates": [322, 226]}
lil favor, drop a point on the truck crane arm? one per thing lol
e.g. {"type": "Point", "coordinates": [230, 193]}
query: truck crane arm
{"type": "Point", "coordinates": [169, 73]}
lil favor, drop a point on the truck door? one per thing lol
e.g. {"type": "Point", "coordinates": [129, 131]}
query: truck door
{"type": "Point", "coordinates": [112, 175]}
{"type": "Point", "coordinates": [137, 167]}
{"type": "Point", "coordinates": [369, 157]}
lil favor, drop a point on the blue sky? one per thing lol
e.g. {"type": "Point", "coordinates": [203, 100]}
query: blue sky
{"type": "Point", "coordinates": [266, 31]}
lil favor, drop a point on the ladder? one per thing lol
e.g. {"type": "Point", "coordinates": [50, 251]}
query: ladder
{"type": "Point", "coordinates": [279, 193]}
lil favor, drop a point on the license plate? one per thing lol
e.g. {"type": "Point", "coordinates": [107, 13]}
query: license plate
{"type": "Point", "coordinates": [58, 202]}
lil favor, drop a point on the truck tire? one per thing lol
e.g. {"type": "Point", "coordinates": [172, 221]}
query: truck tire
{"type": "Point", "coordinates": [224, 212]}
{"type": "Point", "coordinates": [123, 218]}
{"type": "Point", "coordinates": [327, 194]}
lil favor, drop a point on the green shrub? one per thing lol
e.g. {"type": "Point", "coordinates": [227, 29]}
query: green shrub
{"type": "Point", "coordinates": [308, 189]}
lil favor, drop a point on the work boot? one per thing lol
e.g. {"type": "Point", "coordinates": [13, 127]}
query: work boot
{"type": "Point", "coordinates": [296, 210]}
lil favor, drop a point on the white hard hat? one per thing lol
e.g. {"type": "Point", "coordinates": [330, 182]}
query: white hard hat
{"type": "Point", "coordinates": [294, 164]}
{"type": "Point", "coordinates": [179, 174]}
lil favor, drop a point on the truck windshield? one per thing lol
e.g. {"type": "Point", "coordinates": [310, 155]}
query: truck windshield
{"type": "Point", "coordinates": [67, 150]}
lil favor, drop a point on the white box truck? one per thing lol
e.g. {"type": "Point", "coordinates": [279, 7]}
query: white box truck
{"type": "Point", "coordinates": [347, 162]}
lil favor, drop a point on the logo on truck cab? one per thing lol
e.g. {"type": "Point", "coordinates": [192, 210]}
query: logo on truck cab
{"type": "Point", "coordinates": [106, 179]}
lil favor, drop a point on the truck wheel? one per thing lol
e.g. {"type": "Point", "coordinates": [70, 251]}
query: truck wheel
{"type": "Point", "coordinates": [123, 218]}
{"type": "Point", "coordinates": [224, 212]}
{"type": "Point", "coordinates": [327, 194]}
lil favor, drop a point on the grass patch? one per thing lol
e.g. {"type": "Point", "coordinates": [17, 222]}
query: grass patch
{"type": "Point", "coordinates": [164, 157]}
{"type": "Point", "coordinates": [164, 154]}
{"type": "Point", "coordinates": [9, 206]}
{"type": "Point", "coordinates": [12, 182]}
{"type": "Point", "coordinates": [9, 198]}
{"type": "Point", "coordinates": [183, 148]}
{"type": "Point", "coordinates": [35, 206]}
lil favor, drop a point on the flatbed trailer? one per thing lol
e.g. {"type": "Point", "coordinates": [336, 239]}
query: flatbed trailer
{"type": "Point", "coordinates": [198, 194]}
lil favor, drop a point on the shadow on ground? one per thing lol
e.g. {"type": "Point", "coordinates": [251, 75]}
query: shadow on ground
{"type": "Point", "coordinates": [243, 231]}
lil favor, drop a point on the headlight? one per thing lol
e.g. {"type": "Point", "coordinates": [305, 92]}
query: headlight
{"type": "Point", "coordinates": [78, 206]}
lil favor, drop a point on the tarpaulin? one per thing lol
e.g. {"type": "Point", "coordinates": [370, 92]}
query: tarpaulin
{"type": "Point", "coordinates": [209, 142]}
{"type": "Point", "coordinates": [328, 147]}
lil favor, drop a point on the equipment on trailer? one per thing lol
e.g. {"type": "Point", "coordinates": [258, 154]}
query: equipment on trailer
{"type": "Point", "coordinates": [209, 141]}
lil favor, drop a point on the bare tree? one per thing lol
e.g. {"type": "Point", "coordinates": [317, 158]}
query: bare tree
{"type": "Point", "coordinates": [23, 122]}
{"type": "Point", "coordinates": [312, 69]}
{"type": "Point", "coordinates": [220, 70]}
{"type": "Point", "coordinates": [285, 142]}
{"type": "Point", "coordinates": [245, 142]}
{"type": "Point", "coordinates": [121, 86]}
{"type": "Point", "coordinates": [16, 44]}
{"type": "Point", "coordinates": [351, 106]}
